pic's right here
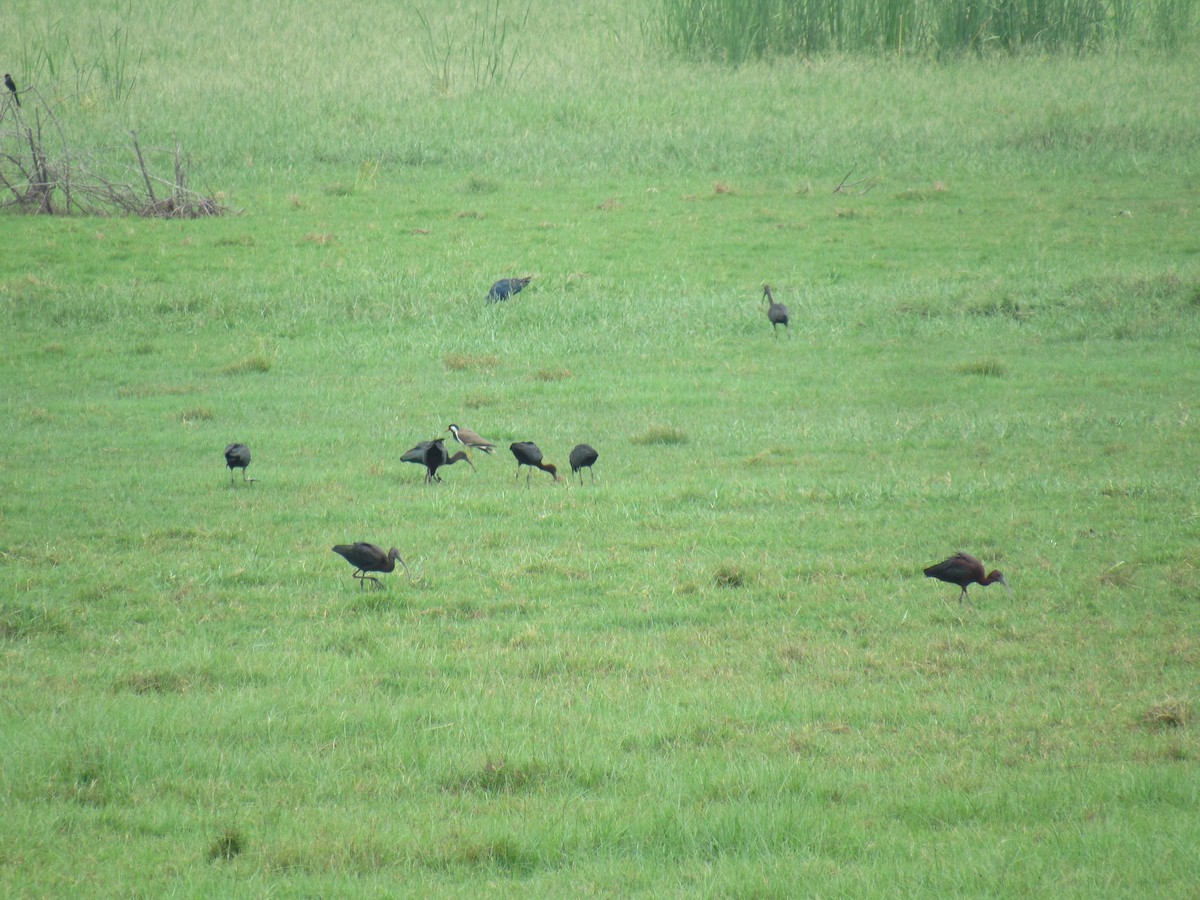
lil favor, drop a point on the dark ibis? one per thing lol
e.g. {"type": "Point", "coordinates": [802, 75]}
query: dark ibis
{"type": "Point", "coordinates": [237, 456]}
{"type": "Point", "coordinates": [506, 287]}
{"type": "Point", "coordinates": [369, 558]}
{"type": "Point", "coordinates": [12, 89]}
{"type": "Point", "coordinates": [471, 440]}
{"type": "Point", "coordinates": [528, 454]}
{"type": "Point", "coordinates": [432, 455]}
{"type": "Point", "coordinates": [582, 457]}
{"type": "Point", "coordinates": [964, 569]}
{"type": "Point", "coordinates": [776, 312]}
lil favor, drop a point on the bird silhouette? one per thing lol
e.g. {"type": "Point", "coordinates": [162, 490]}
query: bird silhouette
{"type": "Point", "coordinates": [582, 457]}
{"type": "Point", "coordinates": [777, 313]}
{"type": "Point", "coordinates": [506, 287]}
{"type": "Point", "coordinates": [964, 569]}
{"type": "Point", "coordinates": [237, 456]}
{"type": "Point", "coordinates": [432, 455]}
{"type": "Point", "coordinates": [369, 558]}
{"type": "Point", "coordinates": [8, 83]}
{"type": "Point", "coordinates": [528, 454]}
{"type": "Point", "coordinates": [469, 438]}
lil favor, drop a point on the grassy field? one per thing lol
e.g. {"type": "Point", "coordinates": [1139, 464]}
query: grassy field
{"type": "Point", "coordinates": [717, 670]}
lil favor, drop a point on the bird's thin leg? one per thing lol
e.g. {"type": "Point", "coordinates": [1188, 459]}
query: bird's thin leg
{"type": "Point", "coordinates": [358, 573]}
{"type": "Point", "coordinates": [378, 583]}
{"type": "Point", "coordinates": [592, 472]}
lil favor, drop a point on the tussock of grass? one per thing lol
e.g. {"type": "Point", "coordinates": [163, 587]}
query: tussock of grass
{"type": "Point", "coordinates": [1167, 714]}
{"type": "Point", "coordinates": [1119, 576]}
{"type": "Point", "coordinates": [660, 434]}
{"type": "Point", "coordinates": [990, 368]}
{"type": "Point", "coordinates": [21, 622]}
{"type": "Point", "coordinates": [196, 414]}
{"type": "Point", "coordinates": [320, 238]}
{"type": "Point", "coordinates": [728, 576]}
{"type": "Point", "coordinates": [155, 682]}
{"type": "Point", "coordinates": [229, 845]}
{"type": "Point", "coordinates": [462, 362]}
{"type": "Point", "coordinates": [480, 184]}
{"type": "Point", "coordinates": [498, 776]}
{"type": "Point", "coordinates": [54, 349]}
{"type": "Point", "coordinates": [241, 240]}
{"type": "Point", "coordinates": [552, 374]}
{"type": "Point", "coordinates": [255, 362]}
{"type": "Point", "coordinates": [937, 189]}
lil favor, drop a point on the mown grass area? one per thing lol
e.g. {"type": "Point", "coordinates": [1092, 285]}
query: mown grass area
{"type": "Point", "coordinates": [717, 669]}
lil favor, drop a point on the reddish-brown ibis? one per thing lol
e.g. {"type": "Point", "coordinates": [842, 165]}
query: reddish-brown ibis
{"type": "Point", "coordinates": [582, 457]}
{"type": "Point", "coordinates": [964, 569]}
{"type": "Point", "coordinates": [432, 455]}
{"type": "Point", "coordinates": [471, 440]}
{"type": "Point", "coordinates": [528, 454]}
{"type": "Point", "coordinates": [237, 456]}
{"type": "Point", "coordinates": [369, 558]}
{"type": "Point", "coordinates": [777, 313]}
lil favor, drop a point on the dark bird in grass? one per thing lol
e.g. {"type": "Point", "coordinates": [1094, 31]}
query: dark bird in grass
{"type": "Point", "coordinates": [776, 312]}
{"type": "Point", "coordinates": [964, 569]}
{"type": "Point", "coordinates": [470, 439]}
{"type": "Point", "coordinates": [433, 456]}
{"type": "Point", "coordinates": [237, 456]}
{"type": "Point", "coordinates": [369, 558]}
{"type": "Point", "coordinates": [528, 454]}
{"type": "Point", "coordinates": [506, 287]}
{"type": "Point", "coordinates": [582, 457]}
{"type": "Point", "coordinates": [8, 83]}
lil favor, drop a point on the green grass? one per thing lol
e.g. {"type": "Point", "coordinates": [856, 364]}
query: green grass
{"type": "Point", "coordinates": [717, 670]}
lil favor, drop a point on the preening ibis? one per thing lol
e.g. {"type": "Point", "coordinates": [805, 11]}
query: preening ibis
{"type": "Point", "coordinates": [582, 457]}
{"type": "Point", "coordinates": [470, 439]}
{"type": "Point", "coordinates": [237, 456]}
{"type": "Point", "coordinates": [506, 287]}
{"type": "Point", "coordinates": [432, 455]}
{"type": "Point", "coordinates": [8, 83]}
{"type": "Point", "coordinates": [528, 454]}
{"type": "Point", "coordinates": [369, 558]}
{"type": "Point", "coordinates": [776, 312]}
{"type": "Point", "coordinates": [964, 569]}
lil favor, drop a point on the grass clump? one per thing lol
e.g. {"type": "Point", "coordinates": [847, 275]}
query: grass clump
{"type": "Point", "coordinates": [465, 362]}
{"type": "Point", "coordinates": [988, 368]}
{"type": "Point", "coordinates": [665, 435]}
{"type": "Point", "coordinates": [228, 846]}
{"type": "Point", "coordinates": [1167, 714]}
{"type": "Point", "coordinates": [728, 576]}
{"type": "Point", "coordinates": [255, 362]}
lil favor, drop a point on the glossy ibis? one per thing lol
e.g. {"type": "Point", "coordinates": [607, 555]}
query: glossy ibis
{"type": "Point", "coordinates": [528, 454]}
{"type": "Point", "coordinates": [776, 312]}
{"type": "Point", "coordinates": [964, 569]}
{"type": "Point", "coordinates": [237, 456]}
{"type": "Point", "coordinates": [470, 439]}
{"type": "Point", "coordinates": [432, 455]}
{"type": "Point", "coordinates": [582, 457]}
{"type": "Point", "coordinates": [369, 558]}
{"type": "Point", "coordinates": [506, 287]}
{"type": "Point", "coordinates": [12, 88]}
